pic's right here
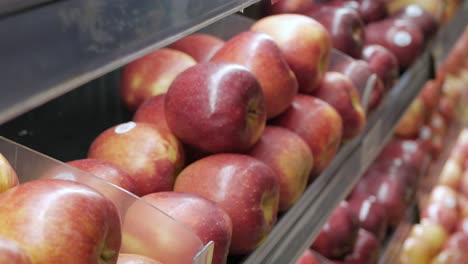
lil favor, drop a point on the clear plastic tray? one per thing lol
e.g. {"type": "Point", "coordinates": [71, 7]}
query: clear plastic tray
{"type": "Point", "coordinates": [145, 229]}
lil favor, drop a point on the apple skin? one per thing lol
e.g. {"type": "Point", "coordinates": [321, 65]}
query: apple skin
{"type": "Point", "coordinates": [419, 16]}
{"type": "Point", "coordinates": [338, 236]}
{"type": "Point", "coordinates": [415, 251]}
{"type": "Point", "coordinates": [319, 124]}
{"type": "Point", "coordinates": [291, 159]}
{"type": "Point", "coordinates": [152, 111]}
{"type": "Point", "coordinates": [401, 37]}
{"type": "Point", "coordinates": [450, 255]}
{"type": "Point", "coordinates": [366, 250]}
{"type": "Point", "coordinates": [410, 152]}
{"type": "Point", "coordinates": [71, 212]}
{"type": "Point", "coordinates": [372, 10]}
{"type": "Point", "coordinates": [442, 215]}
{"type": "Point", "coordinates": [305, 43]}
{"type": "Point", "coordinates": [8, 177]}
{"type": "Point", "coordinates": [308, 257]}
{"type": "Point", "coordinates": [216, 107]}
{"type": "Point", "coordinates": [452, 175]}
{"type": "Point", "coordinates": [289, 6]}
{"type": "Point", "coordinates": [201, 47]}
{"type": "Point", "coordinates": [107, 171]}
{"type": "Point", "coordinates": [412, 120]}
{"type": "Point", "coordinates": [383, 63]}
{"type": "Point", "coordinates": [151, 75]}
{"type": "Point", "coordinates": [204, 217]}
{"type": "Point", "coordinates": [338, 91]}
{"type": "Point", "coordinates": [12, 253]}
{"type": "Point", "coordinates": [259, 53]}
{"type": "Point", "coordinates": [246, 188]}
{"type": "Point", "coordinates": [135, 259]}
{"type": "Point", "coordinates": [433, 234]}
{"type": "Point", "coordinates": [371, 214]}
{"type": "Point", "coordinates": [152, 156]}
{"type": "Point", "coordinates": [345, 27]}
{"type": "Point", "coordinates": [446, 108]}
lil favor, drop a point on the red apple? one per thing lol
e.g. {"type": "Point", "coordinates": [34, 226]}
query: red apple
{"type": "Point", "coordinates": [12, 253]}
{"type": "Point", "coordinates": [372, 215]}
{"type": "Point", "coordinates": [308, 257]}
{"type": "Point", "coordinates": [446, 108]}
{"type": "Point", "coordinates": [106, 171]}
{"type": "Point", "coordinates": [291, 159]}
{"type": "Point", "coordinates": [372, 10]}
{"type": "Point", "coordinates": [410, 152]}
{"type": "Point", "coordinates": [318, 124]}
{"type": "Point", "coordinates": [200, 47]}
{"type": "Point", "coordinates": [151, 75]}
{"type": "Point", "coordinates": [442, 215]}
{"type": "Point", "coordinates": [450, 256]}
{"type": "Point", "coordinates": [383, 63]}
{"type": "Point", "coordinates": [338, 91]}
{"type": "Point", "coordinates": [366, 250]}
{"type": "Point", "coordinates": [216, 107]}
{"type": "Point", "coordinates": [259, 53]}
{"type": "Point", "coordinates": [420, 17]}
{"type": "Point", "coordinates": [345, 27]}
{"type": "Point", "coordinates": [56, 220]}
{"type": "Point", "coordinates": [404, 39]}
{"type": "Point", "coordinates": [246, 188]}
{"type": "Point", "coordinates": [8, 177]}
{"type": "Point", "coordinates": [152, 111]}
{"type": "Point", "coordinates": [458, 241]}
{"type": "Point", "coordinates": [135, 259]}
{"type": "Point", "coordinates": [338, 236]}
{"type": "Point", "coordinates": [205, 218]}
{"type": "Point", "coordinates": [289, 6]}
{"type": "Point", "coordinates": [412, 120]}
{"type": "Point", "coordinates": [152, 156]}
{"type": "Point", "coordinates": [305, 44]}
{"type": "Point", "coordinates": [430, 95]}
{"type": "Point", "coordinates": [415, 251]}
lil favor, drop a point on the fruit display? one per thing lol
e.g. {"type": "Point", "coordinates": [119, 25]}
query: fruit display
{"type": "Point", "coordinates": [222, 142]}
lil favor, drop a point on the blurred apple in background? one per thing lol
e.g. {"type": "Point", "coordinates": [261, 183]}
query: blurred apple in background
{"type": "Point", "coordinates": [259, 53]}
{"type": "Point", "coordinates": [434, 235]}
{"type": "Point", "coordinates": [383, 63]}
{"type": "Point", "coordinates": [12, 253]}
{"type": "Point", "coordinates": [418, 16]}
{"type": "Point", "coordinates": [442, 215]}
{"type": "Point", "coordinates": [412, 120]}
{"type": "Point", "coordinates": [366, 250]}
{"type": "Point", "coordinates": [8, 177]}
{"type": "Point", "coordinates": [451, 175]}
{"type": "Point", "coordinates": [450, 256]}
{"type": "Point", "coordinates": [205, 218]}
{"type": "Point", "coordinates": [56, 220]}
{"type": "Point", "coordinates": [305, 44]}
{"type": "Point", "coordinates": [372, 10]}
{"type": "Point", "coordinates": [152, 156]}
{"type": "Point", "coordinates": [372, 215]}
{"type": "Point", "coordinates": [201, 47]}
{"type": "Point", "coordinates": [338, 91]}
{"type": "Point", "coordinates": [106, 171]}
{"type": "Point", "coordinates": [151, 75]}
{"type": "Point", "coordinates": [445, 196]}
{"type": "Point", "coordinates": [289, 6]}
{"type": "Point", "coordinates": [410, 152]}
{"type": "Point", "coordinates": [345, 27]}
{"type": "Point", "coordinates": [319, 124]}
{"type": "Point", "coordinates": [216, 107]}
{"type": "Point", "coordinates": [246, 188]}
{"type": "Point", "coordinates": [291, 159]}
{"type": "Point", "coordinates": [308, 257]}
{"type": "Point", "coordinates": [446, 108]}
{"type": "Point", "coordinates": [135, 259]}
{"type": "Point", "coordinates": [415, 251]}
{"type": "Point", "coordinates": [152, 111]}
{"type": "Point", "coordinates": [430, 95]}
{"type": "Point", "coordinates": [338, 236]}
{"type": "Point", "coordinates": [435, 7]}
{"type": "Point", "coordinates": [404, 39]}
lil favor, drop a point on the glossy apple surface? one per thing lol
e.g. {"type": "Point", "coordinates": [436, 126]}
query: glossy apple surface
{"type": "Point", "coordinates": [135, 259]}
{"type": "Point", "coordinates": [415, 251]}
{"type": "Point", "coordinates": [366, 250]}
{"type": "Point", "coordinates": [318, 124]}
{"type": "Point", "coordinates": [246, 188]}
{"type": "Point", "coordinates": [305, 44]}
{"type": "Point", "coordinates": [419, 16]}
{"type": "Point", "coordinates": [432, 233]}
{"type": "Point", "coordinates": [338, 91]}
{"type": "Point", "coordinates": [372, 215]}
{"type": "Point", "coordinates": [260, 54]}
{"type": "Point", "coordinates": [205, 218]}
{"type": "Point", "coordinates": [216, 107]}
{"type": "Point", "coordinates": [151, 75]}
{"type": "Point", "coordinates": [410, 152]}
{"type": "Point", "coordinates": [383, 63]}
{"type": "Point", "coordinates": [152, 111]}
{"type": "Point", "coordinates": [152, 156]}
{"type": "Point", "coordinates": [291, 159]}
{"type": "Point", "coordinates": [372, 10]}
{"type": "Point", "coordinates": [201, 47]}
{"type": "Point", "coordinates": [8, 177]}
{"type": "Point", "coordinates": [12, 253]}
{"type": "Point", "coordinates": [56, 220]}
{"type": "Point", "coordinates": [308, 257]}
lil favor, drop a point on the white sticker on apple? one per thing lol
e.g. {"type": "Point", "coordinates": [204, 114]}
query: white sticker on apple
{"type": "Point", "coordinates": [402, 38]}
{"type": "Point", "coordinates": [125, 127]}
{"type": "Point", "coordinates": [414, 11]}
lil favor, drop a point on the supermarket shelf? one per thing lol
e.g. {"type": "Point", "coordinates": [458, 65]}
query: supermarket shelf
{"type": "Point", "coordinates": [49, 50]}
{"type": "Point", "coordinates": [11, 6]}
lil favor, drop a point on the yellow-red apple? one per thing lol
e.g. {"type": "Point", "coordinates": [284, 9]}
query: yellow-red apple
{"type": "Point", "coordinates": [8, 177]}
{"type": "Point", "coordinates": [152, 111]}
{"type": "Point", "coordinates": [12, 253]}
{"type": "Point", "coordinates": [199, 46]}
{"type": "Point", "coordinates": [135, 259]}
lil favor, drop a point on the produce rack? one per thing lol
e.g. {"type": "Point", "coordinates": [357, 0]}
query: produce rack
{"type": "Point", "coordinates": [41, 108]}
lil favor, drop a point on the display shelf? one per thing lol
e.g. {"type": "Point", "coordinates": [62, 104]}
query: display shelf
{"type": "Point", "coordinates": [12, 6]}
{"type": "Point", "coordinates": [136, 214]}
{"type": "Point", "coordinates": [50, 49]}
